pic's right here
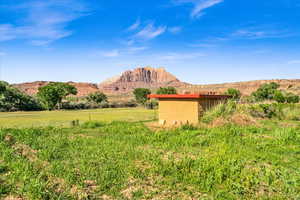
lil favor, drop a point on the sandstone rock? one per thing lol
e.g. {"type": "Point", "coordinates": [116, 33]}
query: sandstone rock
{"type": "Point", "coordinates": [146, 77]}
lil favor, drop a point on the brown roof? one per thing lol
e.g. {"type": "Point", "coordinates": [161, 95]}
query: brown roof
{"type": "Point", "coordinates": [187, 96]}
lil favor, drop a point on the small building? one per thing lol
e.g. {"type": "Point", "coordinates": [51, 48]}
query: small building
{"type": "Point", "coordinates": [185, 108]}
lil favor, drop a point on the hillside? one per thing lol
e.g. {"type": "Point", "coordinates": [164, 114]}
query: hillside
{"type": "Point", "coordinates": [153, 78]}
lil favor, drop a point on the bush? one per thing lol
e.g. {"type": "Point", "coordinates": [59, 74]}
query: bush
{"type": "Point", "coordinates": [266, 91]}
{"type": "Point", "coordinates": [267, 111]}
{"type": "Point", "coordinates": [97, 97]}
{"type": "Point", "coordinates": [92, 124]}
{"type": "Point", "coordinates": [279, 97]}
{"type": "Point", "coordinates": [235, 93]}
{"type": "Point", "coordinates": [221, 110]}
{"type": "Point", "coordinates": [166, 90]}
{"type": "Point", "coordinates": [292, 98]}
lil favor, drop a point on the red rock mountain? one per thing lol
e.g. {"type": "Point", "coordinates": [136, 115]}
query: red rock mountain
{"type": "Point", "coordinates": [146, 77]}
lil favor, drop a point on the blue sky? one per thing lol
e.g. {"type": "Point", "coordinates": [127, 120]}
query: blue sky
{"type": "Point", "coordinates": [199, 41]}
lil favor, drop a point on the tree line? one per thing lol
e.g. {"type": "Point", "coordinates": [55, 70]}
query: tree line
{"type": "Point", "coordinates": [54, 96]}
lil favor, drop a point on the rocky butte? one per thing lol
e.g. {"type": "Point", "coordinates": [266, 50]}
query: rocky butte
{"type": "Point", "coordinates": [146, 77]}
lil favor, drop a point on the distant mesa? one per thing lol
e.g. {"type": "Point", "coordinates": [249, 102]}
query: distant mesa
{"type": "Point", "coordinates": [145, 77]}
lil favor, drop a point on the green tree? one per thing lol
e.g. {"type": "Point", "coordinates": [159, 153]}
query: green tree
{"type": "Point", "coordinates": [141, 95]}
{"type": "Point", "coordinates": [265, 92]}
{"type": "Point", "coordinates": [279, 97]}
{"type": "Point", "coordinates": [235, 93]}
{"type": "Point", "coordinates": [97, 97]}
{"type": "Point", "coordinates": [12, 99]}
{"type": "Point", "coordinates": [52, 94]}
{"type": "Point", "coordinates": [166, 90]}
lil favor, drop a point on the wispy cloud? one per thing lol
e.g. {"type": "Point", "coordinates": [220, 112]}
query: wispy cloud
{"type": "Point", "coordinates": [150, 32]}
{"type": "Point", "coordinates": [44, 22]}
{"type": "Point", "coordinates": [134, 26]}
{"type": "Point", "coordinates": [174, 56]}
{"type": "Point", "coordinates": [175, 29]}
{"type": "Point", "coordinates": [258, 33]}
{"type": "Point", "coordinates": [2, 53]}
{"type": "Point", "coordinates": [199, 5]}
{"type": "Point", "coordinates": [292, 62]}
{"type": "Point", "coordinates": [111, 53]}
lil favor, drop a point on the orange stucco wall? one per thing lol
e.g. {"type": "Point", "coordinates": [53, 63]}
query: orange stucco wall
{"type": "Point", "coordinates": [182, 111]}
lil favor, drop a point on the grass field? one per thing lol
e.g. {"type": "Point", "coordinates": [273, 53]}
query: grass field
{"type": "Point", "coordinates": [64, 118]}
{"type": "Point", "coordinates": [127, 160]}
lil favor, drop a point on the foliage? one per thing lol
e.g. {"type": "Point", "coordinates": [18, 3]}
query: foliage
{"type": "Point", "coordinates": [166, 90]}
{"type": "Point", "coordinates": [11, 99]}
{"type": "Point", "coordinates": [221, 110]}
{"type": "Point", "coordinates": [140, 95]}
{"type": "Point", "coordinates": [92, 124]}
{"type": "Point", "coordinates": [52, 94]}
{"type": "Point", "coordinates": [279, 96]}
{"type": "Point", "coordinates": [235, 93]}
{"type": "Point", "coordinates": [266, 91]}
{"type": "Point", "coordinates": [274, 110]}
{"type": "Point", "coordinates": [97, 97]}
{"type": "Point", "coordinates": [292, 98]}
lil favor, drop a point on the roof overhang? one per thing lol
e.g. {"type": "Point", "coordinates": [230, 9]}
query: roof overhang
{"type": "Point", "coordinates": [187, 96]}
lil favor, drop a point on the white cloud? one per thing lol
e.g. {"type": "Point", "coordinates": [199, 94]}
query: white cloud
{"type": "Point", "coordinates": [259, 33]}
{"type": "Point", "coordinates": [199, 5]}
{"type": "Point", "coordinates": [150, 32]}
{"type": "Point", "coordinates": [134, 26]}
{"type": "Point", "coordinates": [180, 56]}
{"type": "Point", "coordinates": [44, 21]}
{"type": "Point", "coordinates": [175, 29]}
{"type": "Point", "coordinates": [2, 53]}
{"type": "Point", "coordinates": [292, 62]}
{"type": "Point", "coordinates": [111, 54]}
{"type": "Point", "coordinates": [132, 50]}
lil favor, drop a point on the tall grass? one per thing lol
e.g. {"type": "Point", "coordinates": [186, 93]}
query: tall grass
{"type": "Point", "coordinates": [122, 160]}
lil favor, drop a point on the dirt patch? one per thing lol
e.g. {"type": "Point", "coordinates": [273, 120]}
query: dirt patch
{"type": "Point", "coordinates": [243, 119]}
{"type": "Point", "coordinates": [9, 139]}
{"type": "Point", "coordinates": [26, 151]}
{"type": "Point", "coordinates": [10, 197]}
{"type": "Point", "coordinates": [237, 118]}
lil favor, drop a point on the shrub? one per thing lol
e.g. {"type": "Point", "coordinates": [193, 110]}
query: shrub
{"type": "Point", "coordinates": [279, 97]}
{"type": "Point", "coordinates": [292, 98]}
{"type": "Point", "coordinates": [221, 110]}
{"type": "Point", "coordinates": [235, 93]}
{"type": "Point", "coordinates": [92, 124]}
{"type": "Point", "coordinates": [166, 90]}
{"type": "Point", "coordinates": [266, 91]}
{"type": "Point", "coordinates": [97, 97]}
{"type": "Point", "coordinates": [267, 110]}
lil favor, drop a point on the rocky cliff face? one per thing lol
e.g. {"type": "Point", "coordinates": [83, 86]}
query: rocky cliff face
{"type": "Point", "coordinates": [146, 77]}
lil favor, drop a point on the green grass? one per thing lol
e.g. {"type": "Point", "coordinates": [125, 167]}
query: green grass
{"type": "Point", "coordinates": [125, 160]}
{"type": "Point", "coordinates": [64, 118]}
{"type": "Point", "coordinates": [113, 155]}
